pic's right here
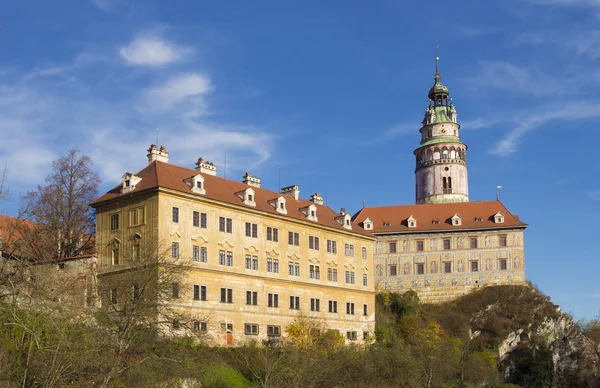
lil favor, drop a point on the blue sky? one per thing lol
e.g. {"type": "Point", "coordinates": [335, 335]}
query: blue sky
{"type": "Point", "coordinates": [329, 93]}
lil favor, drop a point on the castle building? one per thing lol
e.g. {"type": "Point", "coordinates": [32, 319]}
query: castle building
{"type": "Point", "coordinates": [444, 246]}
{"type": "Point", "coordinates": [254, 260]}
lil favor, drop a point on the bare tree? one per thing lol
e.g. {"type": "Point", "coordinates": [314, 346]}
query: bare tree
{"type": "Point", "coordinates": [64, 222]}
{"type": "Point", "coordinates": [4, 184]}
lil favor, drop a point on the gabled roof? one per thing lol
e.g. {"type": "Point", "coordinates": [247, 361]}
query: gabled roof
{"type": "Point", "coordinates": [159, 174]}
{"type": "Point", "coordinates": [392, 219]}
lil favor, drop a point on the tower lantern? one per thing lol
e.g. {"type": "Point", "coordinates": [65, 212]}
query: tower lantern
{"type": "Point", "coordinates": [441, 167]}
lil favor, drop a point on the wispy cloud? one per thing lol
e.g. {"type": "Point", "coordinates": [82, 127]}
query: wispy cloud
{"type": "Point", "coordinates": [478, 123]}
{"type": "Point", "coordinates": [152, 50]}
{"type": "Point", "coordinates": [532, 120]}
{"type": "Point", "coordinates": [107, 5]}
{"type": "Point", "coordinates": [595, 196]}
{"type": "Point", "coordinates": [512, 78]}
{"type": "Point", "coordinates": [568, 3]}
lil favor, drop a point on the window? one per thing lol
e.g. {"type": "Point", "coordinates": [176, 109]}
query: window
{"type": "Point", "coordinates": [272, 265]}
{"type": "Point", "coordinates": [250, 329]}
{"type": "Point", "coordinates": [115, 256]}
{"type": "Point", "coordinates": [251, 230]}
{"type": "Point", "coordinates": [225, 225]}
{"type": "Point", "coordinates": [273, 331]}
{"type": "Point", "coordinates": [203, 255]}
{"type": "Point", "coordinates": [295, 302]}
{"type": "Point", "coordinates": [272, 300]}
{"type": "Point", "coordinates": [365, 335]}
{"type": "Point", "coordinates": [175, 214]}
{"type": "Point", "coordinates": [392, 247]}
{"type": "Point", "coordinates": [365, 279]}
{"type": "Point", "coordinates": [393, 270]}
{"type": "Point", "coordinates": [175, 250]}
{"type": "Point", "coordinates": [365, 313]}
{"type": "Point", "coordinates": [136, 248]}
{"type": "Point", "coordinates": [175, 290]}
{"type": "Point", "coordinates": [113, 296]}
{"type": "Point", "coordinates": [199, 292]}
{"type": "Point", "coordinates": [478, 219]}
{"type": "Point", "coordinates": [502, 240]}
{"type": "Point", "coordinates": [252, 298]}
{"type": "Point", "coordinates": [333, 306]}
{"type": "Point", "coordinates": [176, 324]}
{"type": "Point", "coordinates": [203, 223]}
{"type": "Point", "coordinates": [226, 295]}
{"type": "Point", "coordinates": [351, 335]}
{"type": "Point", "coordinates": [114, 222]}
{"type": "Point", "coordinates": [473, 242]}
{"type": "Point", "coordinates": [447, 267]}
{"type": "Point", "coordinates": [420, 269]}
{"type": "Point", "coordinates": [332, 274]}
{"type": "Point", "coordinates": [364, 253]}
{"type": "Point", "coordinates": [293, 239]}
{"type": "Point", "coordinates": [135, 292]}
{"type": "Point", "coordinates": [252, 262]}
{"type": "Point", "coordinates": [350, 308]}
{"type": "Point", "coordinates": [196, 219]}
{"type": "Point", "coordinates": [350, 277]}
{"type": "Point", "coordinates": [474, 266]}
{"type": "Point", "coordinates": [420, 245]}
{"type": "Point", "coordinates": [331, 246]}
{"type": "Point", "coordinates": [196, 253]}
{"type": "Point", "coordinates": [294, 268]}
{"type": "Point", "coordinates": [313, 243]}
{"type": "Point", "coordinates": [272, 234]}
{"type": "Point", "coordinates": [221, 257]}
{"type": "Point", "coordinates": [502, 264]}
{"type": "Point", "coordinates": [315, 304]}
{"type": "Point", "coordinates": [136, 216]}
{"type": "Point", "coordinates": [200, 326]}
{"type": "Point", "coordinates": [349, 250]}
{"type": "Point", "coordinates": [315, 272]}
{"type": "Point", "coordinates": [447, 244]}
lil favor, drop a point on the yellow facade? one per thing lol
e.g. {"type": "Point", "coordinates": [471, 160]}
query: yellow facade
{"type": "Point", "coordinates": [236, 321]}
{"type": "Point", "coordinates": [448, 265]}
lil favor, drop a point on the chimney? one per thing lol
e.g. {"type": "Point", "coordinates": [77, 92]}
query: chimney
{"type": "Point", "coordinates": [316, 198]}
{"type": "Point", "coordinates": [155, 154]}
{"type": "Point", "coordinates": [343, 211]}
{"type": "Point", "coordinates": [292, 190]}
{"type": "Point", "coordinates": [206, 167]}
{"type": "Point", "coordinates": [251, 180]}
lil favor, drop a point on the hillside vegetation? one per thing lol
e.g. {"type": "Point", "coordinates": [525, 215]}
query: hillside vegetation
{"type": "Point", "coordinates": [503, 336]}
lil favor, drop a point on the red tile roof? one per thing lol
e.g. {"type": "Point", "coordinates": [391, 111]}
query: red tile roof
{"type": "Point", "coordinates": [159, 174]}
{"type": "Point", "coordinates": [392, 219]}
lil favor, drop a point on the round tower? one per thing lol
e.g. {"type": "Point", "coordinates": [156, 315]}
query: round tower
{"type": "Point", "coordinates": [441, 170]}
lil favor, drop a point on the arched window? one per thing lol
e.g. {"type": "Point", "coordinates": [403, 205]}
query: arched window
{"type": "Point", "coordinates": [445, 154]}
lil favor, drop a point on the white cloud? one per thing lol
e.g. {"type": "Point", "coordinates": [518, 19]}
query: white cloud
{"type": "Point", "coordinates": [152, 50]}
{"type": "Point", "coordinates": [178, 89]}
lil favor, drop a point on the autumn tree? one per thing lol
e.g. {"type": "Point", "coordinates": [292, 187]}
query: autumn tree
{"type": "Point", "coordinates": [64, 223]}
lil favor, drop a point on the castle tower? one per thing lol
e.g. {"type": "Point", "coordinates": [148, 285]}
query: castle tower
{"type": "Point", "coordinates": [441, 170]}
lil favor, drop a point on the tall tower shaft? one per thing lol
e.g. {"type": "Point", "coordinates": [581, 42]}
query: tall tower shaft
{"type": "Point", "coordinates": [441, 158]}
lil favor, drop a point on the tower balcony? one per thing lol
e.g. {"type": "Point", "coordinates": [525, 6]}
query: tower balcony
{"type": "Point", "coordinates": [427, 163]}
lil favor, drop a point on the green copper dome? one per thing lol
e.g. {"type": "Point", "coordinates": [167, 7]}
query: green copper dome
{"type": "Point", "coordinates": [437, 88]}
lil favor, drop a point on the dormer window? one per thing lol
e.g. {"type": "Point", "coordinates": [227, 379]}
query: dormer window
{"type": "Point", "coordinates": [411, 222]}
{"type": "Point", "coordinates": [278, 204]}
{"type": "Point", "coordinates": [368, 224]}
{"type": "Point", "coordinates": [435, 222]}
{"type": "Point", "coordinates": [499, 218]}
{"type": "Point", "coordinates": [478, 219]}
{"type": "Point", "coordinates": [129, 182]}
{"type": "Point", "coordinates": [456, 220]}
{"type": "Point", "coordinates": [345, 220]}
{"type": "Point", "coordinates": [196, 183]}
{"type": "Point", "coordinates": [310, 212]}
{"type": "Point", "coordinates": [247, 196]}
